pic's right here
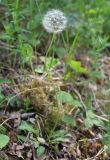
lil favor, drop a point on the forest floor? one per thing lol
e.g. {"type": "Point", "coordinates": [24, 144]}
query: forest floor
{"type": "Point", "coordinates": [35, 128]}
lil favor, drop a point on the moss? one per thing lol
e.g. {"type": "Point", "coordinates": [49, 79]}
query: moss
{"type": "Point", "coordinates": [42, 96]}
{"type": "Point", "coordinates": [40, 93]}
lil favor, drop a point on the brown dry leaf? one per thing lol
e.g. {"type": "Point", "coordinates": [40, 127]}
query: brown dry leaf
{"type": "Point", "coordinates": [13, 136]}
{"type": "Point", "coordinates": [29, 155]}
{"type": "Point", "coordinates": [3, 156]}
{"type": "Point", "coordinates": [17, 118]}
{"type": "Point", "coordinates": [17, 150]}
{"type": "Point", "coordinates": [96, 146]}
{"type": "Point", "coordinates": [78, 151]}
{"type": "Point", "coordinates": [100, 81]}
{"type": "Point", "coordinates": [88, 133]}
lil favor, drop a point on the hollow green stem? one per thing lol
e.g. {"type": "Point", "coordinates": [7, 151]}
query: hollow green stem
{"type": "Point", "coordinates": [48, 50]}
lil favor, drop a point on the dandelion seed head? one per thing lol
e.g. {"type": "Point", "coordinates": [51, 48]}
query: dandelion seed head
{"type": "Point", "coordinates": [54, 21]}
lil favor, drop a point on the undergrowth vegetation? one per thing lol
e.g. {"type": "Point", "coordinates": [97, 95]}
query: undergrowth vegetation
{"type": "Point", "coordinates": [55, 79]}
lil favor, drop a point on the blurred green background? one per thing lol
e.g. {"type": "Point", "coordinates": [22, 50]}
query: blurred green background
{"type": "Point", "coordinates": [21, 22]}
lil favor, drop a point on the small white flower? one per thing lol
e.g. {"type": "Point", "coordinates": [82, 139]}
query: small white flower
{"type": "Point", "coordinates": [54, 21]}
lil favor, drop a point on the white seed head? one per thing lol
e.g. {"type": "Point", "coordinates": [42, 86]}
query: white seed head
{"type": "Point", "coordinates": [54, 21]}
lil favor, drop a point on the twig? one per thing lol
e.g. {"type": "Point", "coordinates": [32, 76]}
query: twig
{"type": "Point", "coordinates": [78, 94]}
{"type": "Point", "coordinates": [6, 121]}
{"type": "Point", "coordinates": [7, 48]}
{"type": "Point", "coordinates": [96, 102]}
{"type": "Point", "coordinates": [98, 154]}
{"type": "Point", "coordinates": [6, 45]}
{"type": "Point", "coordinates": [102, 118]}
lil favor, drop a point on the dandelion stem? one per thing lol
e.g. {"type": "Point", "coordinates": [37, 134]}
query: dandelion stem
{"type": "Point", "coordinates": [48, 50]}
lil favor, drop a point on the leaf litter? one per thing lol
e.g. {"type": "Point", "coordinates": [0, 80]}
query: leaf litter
{"type": "Point", "coordinates": [33, 140]}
